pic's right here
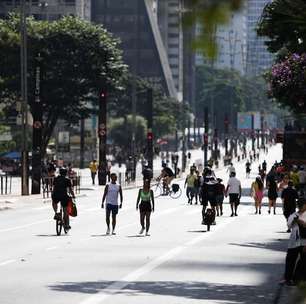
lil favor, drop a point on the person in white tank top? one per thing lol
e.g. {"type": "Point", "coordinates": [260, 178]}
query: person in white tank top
{"type": "Point", "coordinates": [111, 193]}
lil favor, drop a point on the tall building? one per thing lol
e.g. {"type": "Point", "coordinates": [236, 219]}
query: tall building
{"type": "Point", "coordinates": [232, 44]}
{"type": "Point", "coordinates": [135, 22]}
{"type": "Point", "coordinates": [258, 58]}
{"type": "Point", "coordinates": [49, 9]}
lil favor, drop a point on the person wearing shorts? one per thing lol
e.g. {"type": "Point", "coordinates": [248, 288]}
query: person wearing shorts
{"type": "Point", "coordinates": [146, 206]}
{"type": "Point", "coordinates": [220, 191]}
{"type": "Point", "coordinates": [61, 185]}
{"type": "Point", "coordinates": [233, 189]}
{"type": "Point", "coordinates": [111, 193]}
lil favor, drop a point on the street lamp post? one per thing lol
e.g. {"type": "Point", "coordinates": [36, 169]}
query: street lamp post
{"type": "Point", "coordinates": [37, 130]}
{"type": "Point", "coordinates": [102, 137]}
{"type": "Point", "coordinates": [24, 97]}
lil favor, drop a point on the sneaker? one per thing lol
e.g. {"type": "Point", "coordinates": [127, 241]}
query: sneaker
{"type": "Point", "coordinates": [232, 214]}
{"type": "Point", "coordinates": [147, 233]}
{"type": "Point", "coordinates": [236, 214]}
{"type": "Point", "coordinates": [113, 232]}
{"type": "Point", "coordinates": [274, 212]}
{"type": "Point", "coordinates": [141, 231]}
{"type": "Point", "coordinates": [108, 231]}
{"type": "Point", "coordinates": [259, 211]}
{"type": "Point", "coordinates": [269, 211]}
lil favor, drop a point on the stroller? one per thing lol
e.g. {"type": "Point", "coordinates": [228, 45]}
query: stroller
{"type": "Point", "coordinates": [209, 218]}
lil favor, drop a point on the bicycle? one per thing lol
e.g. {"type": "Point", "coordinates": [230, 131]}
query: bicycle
{"type": "Point", "coordinates": [174, 190]}
{"type": "Point", "coordinates": [60, 223]}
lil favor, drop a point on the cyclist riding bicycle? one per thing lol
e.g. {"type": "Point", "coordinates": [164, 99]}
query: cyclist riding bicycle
{"type": "Point", "coordinates": [60, 186]}
{"type": "Point", "coordinates": [167, 177]}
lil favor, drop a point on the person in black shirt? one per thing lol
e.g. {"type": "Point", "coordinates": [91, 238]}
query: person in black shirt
{"type": "Point", "coordinates": [59, 194]}
{"type": "Point", "coordinates": [272, 193]}
{"type": "Point", "coordinates": [289, 197]}
{"type": "Point", "coordinates": [167, 176]}
{"type": "Point", "coordinates": [147, 173]}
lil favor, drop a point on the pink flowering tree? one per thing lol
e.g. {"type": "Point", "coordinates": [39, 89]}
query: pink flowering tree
{"type": "Point", "coordinates": [287, 81]}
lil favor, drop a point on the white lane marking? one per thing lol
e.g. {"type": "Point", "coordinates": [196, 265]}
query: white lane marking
{"type": "Point", "coordinates": [24, 226]}
{"type": "Point", "coordinates": [51, 248]}
{"type": "Point", "coordinates": [112, 289]}
{"type": "Point", "coordinates": [7, 262]}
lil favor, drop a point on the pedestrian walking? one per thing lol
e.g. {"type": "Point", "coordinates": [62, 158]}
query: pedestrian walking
{"type": "Point", "coordinates": [302, 178]}
{"type": "Point", "coordinates": [146, 206]}
{"type": "Point", "coordinates": [247, 169]}
{"type": "Point", "coordinates": [197, 186]}
{"type": "Point", "coordinates": [220, 192]}
{"type": "Point", "coordinates": [272, 193]}
{"type": "Point", "coordinates": [93, 166]}
{"type": "Point", "coordinates": [257, 192]}
{"type": "Point", "coordinates": [111, 193]}
{"type": "Point", "coordinates": [297, 242]}
{"type": "Point", "coordinates": [289, 197]}
{"type": "Point", "coordinates": [233, 189]}
{"type": "Point", "coordinates": [231, 169]}
{"type": "Point", "coordinates": [190, 182]}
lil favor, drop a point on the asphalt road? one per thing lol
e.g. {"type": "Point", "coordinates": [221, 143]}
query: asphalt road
{"type": "Point", "coordinates": [239, 261]}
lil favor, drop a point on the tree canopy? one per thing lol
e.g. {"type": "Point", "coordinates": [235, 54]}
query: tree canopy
{"type": "Point", "coordinates": [226, 92]}
{"type": "Point", "coordinates": [208, 14]}
{"type": "Point", "coordinates": [78, 60]}
{"type": "Point", "coordinates": [284, 23]}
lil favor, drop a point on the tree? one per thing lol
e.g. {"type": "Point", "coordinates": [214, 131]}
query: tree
{"type": "Point", "coordinates": [287, 82]}
{"type": "Point", "coordinates": [208, 14]}
{"type": "Point", "coordinates": [284, 23]}
{"type": "Point", "coordinates": [168, 113]}
{"type": "Point", "coordinates": [230, 92]}
{"type": "Point", "coordinates": [120, 131]}
{"type": "Point", "coordinates": [79, 59]}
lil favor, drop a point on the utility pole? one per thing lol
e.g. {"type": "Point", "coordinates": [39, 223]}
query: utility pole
{"type": "Point", "coordinates": [150, 128]}
{"type": "Point", "coordinates": [253, 134]}
{"type": "Point", "coordinates": [134, 89]}
{"type": "Point", "coordinates": [102, 137]}
{"type": "Point", "coordinates": [205, 135]}
{"type": "Point", "coordinates": [82, 142]}
{"type": "Point", "coordinates": [24, 97]}
{"type": "Point", "coordinates": [37, 130]}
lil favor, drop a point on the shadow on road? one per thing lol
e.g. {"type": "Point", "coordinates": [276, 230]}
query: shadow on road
{"type": "Point", "coordinates": [266, 291]}
{"type": "Point", "coordinates": [197, 231]}
{"type": "Point", "coordinates": [276, 245]}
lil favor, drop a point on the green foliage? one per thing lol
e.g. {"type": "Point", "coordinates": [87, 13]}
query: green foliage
{"type": "Point", "coordinates": [79, 59]}
{"type": "Point", "coordinates": [229, 92]}
{"type": "Point", "coordinates": [168, 113]}
{"type": "Point", "coordinates": [209, 14]}
{"type": "Point", "coordinates": [120, 131]}
{"type": "Point", "coordinates": [284, 23]}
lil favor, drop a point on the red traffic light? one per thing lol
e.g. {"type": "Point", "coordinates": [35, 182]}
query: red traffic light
{"type": "Point", "coordinates": [103, 94]}
{"type": "Point", "coordinates": [150, 136]}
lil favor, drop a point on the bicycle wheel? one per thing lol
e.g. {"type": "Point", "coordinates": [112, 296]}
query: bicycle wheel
{"type": "Point", "coordinates": [176, 194]}
{"type": "Point", "coordinates": [157, 190]}
{"type": "Point", "coordinates": [59, 226]}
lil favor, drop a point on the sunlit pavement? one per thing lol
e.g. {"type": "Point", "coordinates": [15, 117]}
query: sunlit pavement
{"type": "Point", "coordinates": [239, 261]}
